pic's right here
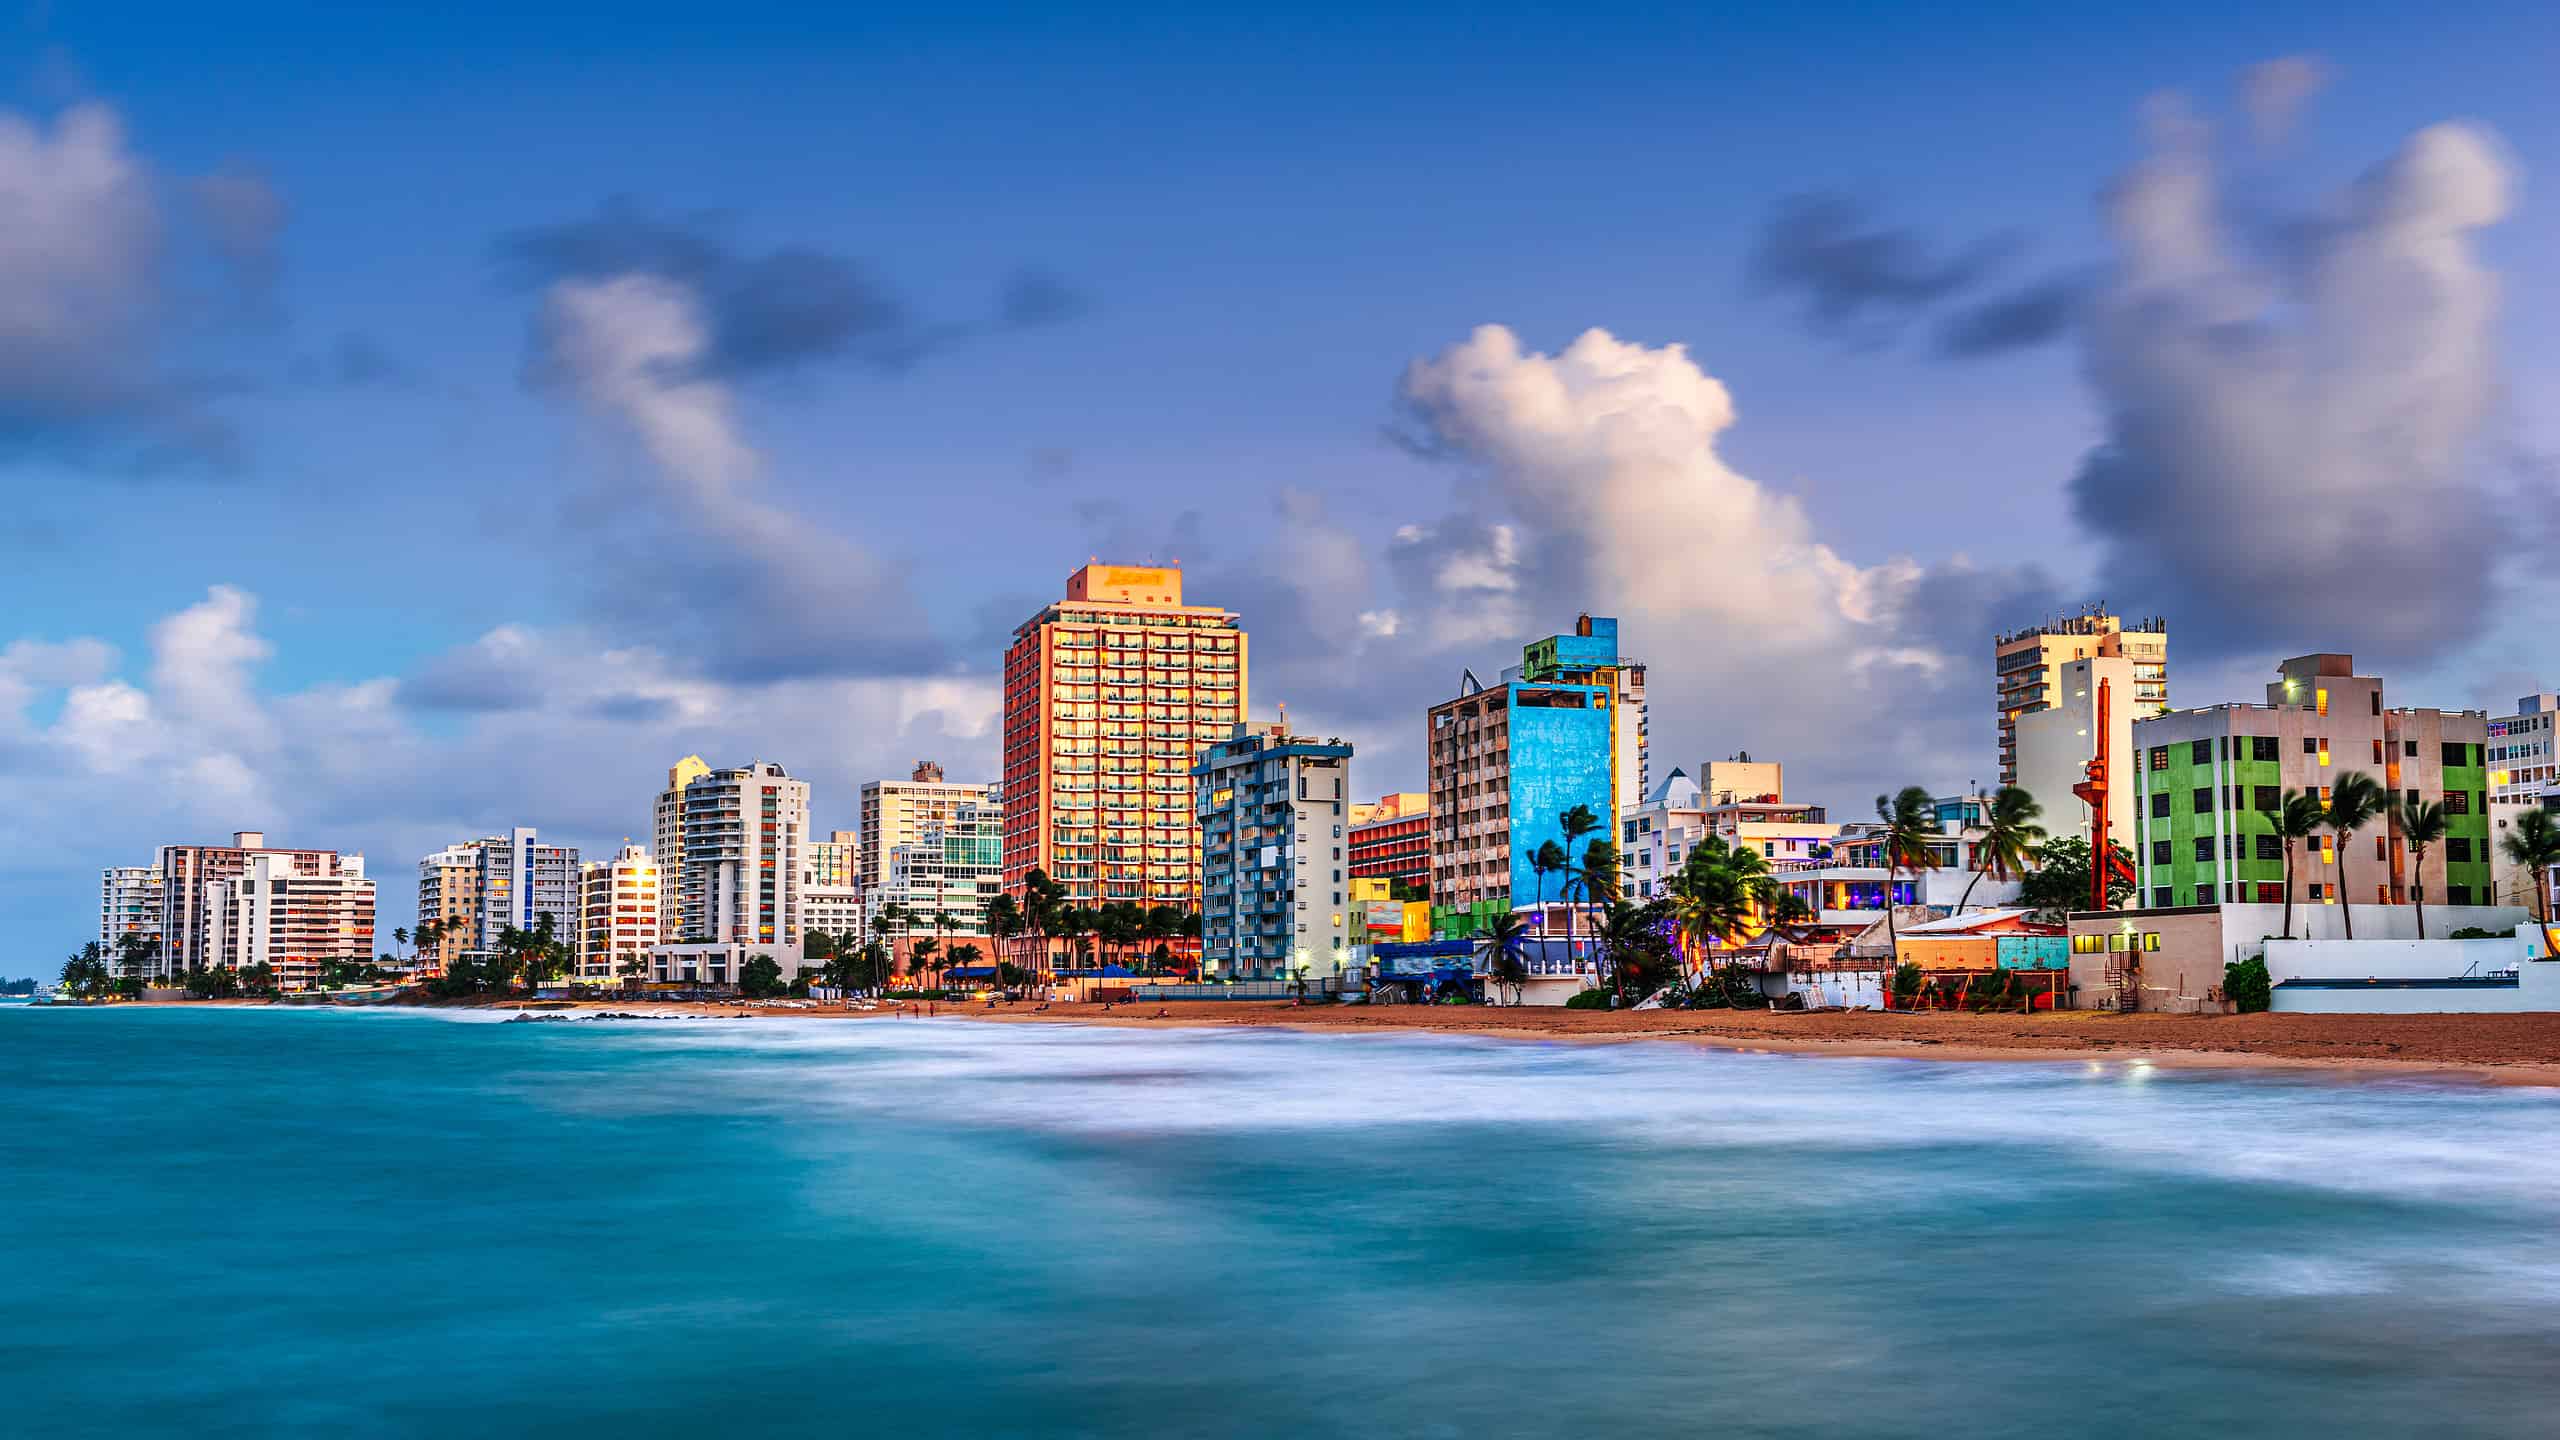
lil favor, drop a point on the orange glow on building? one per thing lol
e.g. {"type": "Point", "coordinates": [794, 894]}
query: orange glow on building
{"type": "Point", "coordinates": [1109, 696]}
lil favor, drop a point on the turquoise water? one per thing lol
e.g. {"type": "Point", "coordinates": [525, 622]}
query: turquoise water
{"type": "Point", "coordinates": [266, 1223]}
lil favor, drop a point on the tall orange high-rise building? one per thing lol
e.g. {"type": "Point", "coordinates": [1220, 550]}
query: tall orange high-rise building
{"type": "Point", "coordinates": [1109, 696]}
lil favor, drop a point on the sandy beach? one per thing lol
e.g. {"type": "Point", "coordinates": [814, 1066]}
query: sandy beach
{"type": "Point", "coordinates": [2500, 1049]}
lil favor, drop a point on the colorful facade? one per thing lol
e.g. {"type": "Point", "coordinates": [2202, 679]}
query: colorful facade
{"type": "Point", "coordinates": [1110, 695]}
{"type": "Point", "coordinates": [2210, 777]}
{"type": "Point", "coordinates": [1391, 839]}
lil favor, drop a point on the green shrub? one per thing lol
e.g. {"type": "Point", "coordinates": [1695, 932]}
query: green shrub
{"type": "Point", "coordinates": [1588, 1000]}
{"type": "Point", "coordinates": [2474, 932]}
{"type": "Point", "coordinates": [2246, 985]}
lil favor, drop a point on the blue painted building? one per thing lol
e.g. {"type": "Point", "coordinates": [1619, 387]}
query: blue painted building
{"type": "Point", "coordinates": [1507, 761]}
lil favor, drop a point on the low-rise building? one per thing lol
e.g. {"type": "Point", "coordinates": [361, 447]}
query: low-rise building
{"type": "Point", "coordinates": [2172, 957]}
{"type": "Point", "coordinates": [1275, 880]}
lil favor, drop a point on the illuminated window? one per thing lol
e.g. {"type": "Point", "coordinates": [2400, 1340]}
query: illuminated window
{"type": "Point", "coordinates": [2320, 700]}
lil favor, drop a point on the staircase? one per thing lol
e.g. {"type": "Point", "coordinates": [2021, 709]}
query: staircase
{"type": "Point", "coordinates": [2124, 979]}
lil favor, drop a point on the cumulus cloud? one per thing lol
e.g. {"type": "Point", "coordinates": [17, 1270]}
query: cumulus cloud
{"type": "Point", "coordinates": [1855, 276]}
{"type": "Point", "coordinates": [2274, 92]}
{"type": "Point", "coordinates": [2281, 435]}
{"type": "Point", "coordinates": [88, 304]}
{"type": "Point", "coordinates": [110, 761]}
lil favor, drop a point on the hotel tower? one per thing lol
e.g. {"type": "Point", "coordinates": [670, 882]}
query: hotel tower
{"type": "Point", "coordinates": [1110, 695]}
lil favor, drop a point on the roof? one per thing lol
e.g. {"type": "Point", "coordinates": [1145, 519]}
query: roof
{"type": "Point", "coordinates": [1971, 922]}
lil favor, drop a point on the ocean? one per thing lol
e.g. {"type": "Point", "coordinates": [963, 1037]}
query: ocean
{"type": "Point", "coordinates": [285, 1223]}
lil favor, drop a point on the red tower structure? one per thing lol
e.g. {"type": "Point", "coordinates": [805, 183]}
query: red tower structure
{"type": "Point", "coordinates": [2103, 861]}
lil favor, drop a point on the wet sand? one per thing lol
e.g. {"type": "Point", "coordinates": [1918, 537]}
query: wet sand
{"type": "Point", "coordinates": [2502, 1049]}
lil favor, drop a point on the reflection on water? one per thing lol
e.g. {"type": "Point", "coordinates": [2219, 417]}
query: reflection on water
{"type": "Point", "coordinates": [264, 1223]}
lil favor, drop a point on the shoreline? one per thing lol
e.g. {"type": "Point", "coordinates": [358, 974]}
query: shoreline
{"type": "Point", "coordinates": [2520, 1050]}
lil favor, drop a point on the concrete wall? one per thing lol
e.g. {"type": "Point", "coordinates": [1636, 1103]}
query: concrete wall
{"type": "Point", "coordinates": [2537, 987]}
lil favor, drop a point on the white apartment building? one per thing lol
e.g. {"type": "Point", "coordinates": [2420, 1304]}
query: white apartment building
{"type": "Point", "coordinates": [744, 829]}
{"type": "Point", "coordinates": [617, 916]}
{"type": "Point", "coordinates": [449, 900]}
{"type": "Point", "coordinates": [128, 904]}
{"type": "Point", "coordinates": [187, 874]}
{"type": "Point", "coordinates": [522, 880]}
{"type": "Point", "coordinates": [2524, 767]}
{"type": "Point", "coordinates": [831, 887]}
{"type": "Point", "coordinates": [666, 837]}
{"type": "Point", "coordinates": [274, 913]}
{"type": "Point", "coordinates": [2056, 744]}
{"type": "Point", "coordinates": [923, 848]}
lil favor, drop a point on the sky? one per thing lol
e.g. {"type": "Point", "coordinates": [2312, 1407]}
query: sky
{"type": "Point", "coordinates": [426, 425]}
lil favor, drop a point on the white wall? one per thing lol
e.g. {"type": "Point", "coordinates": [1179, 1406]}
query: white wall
{"type": "Point", "coordinates": [2537, 988]}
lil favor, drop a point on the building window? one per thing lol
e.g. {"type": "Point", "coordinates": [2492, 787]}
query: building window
{"type": "Point", "coordinates": [2200, 752]}
{"type": "Point", "coordinates": [2409, 749]}
{"type": "Point", "coordinates": [2159, 852]}
{"type": "Point", "coordinates": [2457, 847]}
{"type": "Point", "coordinates": [2269, 847]}
{"type": "Point", "coordinates": [2160, 805]}
{"type": "Point", "coordinates": [2262, 747]}
{"type": "Point", "coordinates": [2150, 939]}
{"type": "Point", "coordinates": [2457, 802]}
{"type": "Point", "coordinates": [2204, 847]}
{"type": "Point", "coordinates": [2159, 757]}
{"type": "Point", "coordinates": [2270, 892]}
{"type": "Point", "coordinates": [2204, 799]}
{"type": "Point", "coordinates": [2160, 897]}
{"type": "Point", "coordinates": [2310, 744]}
{"type": "Point", "coordinates": [2453, 751]}
{"type": "Point", "coordinates": [2204, 894]}
{"type": "Point", "coordinates": [2457, 894]}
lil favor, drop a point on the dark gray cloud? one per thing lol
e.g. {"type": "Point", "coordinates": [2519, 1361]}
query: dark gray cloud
{"type": "Point", "coordinates": [1857, 277]}
{"type": "Point", "coordinates": [769, 312]}
{"type": "Point", "coordinates": [96, 293]}
{"type": "Point", "coordinates": [2019, 319]}
{"type": "Point", "coordinates": [2293, 456]}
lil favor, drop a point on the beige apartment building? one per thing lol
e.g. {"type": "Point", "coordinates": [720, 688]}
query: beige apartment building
{"type": "Point", "coordinates": [187, 875]}
{"type": "Point", "coordinates": [617, 916]}
{"type": "Point", "coordinates": [2027, 665]}
{"type": "Point", "coordinates": [666, 835]}
{"type": "Point", "coordinates": [292, 920]}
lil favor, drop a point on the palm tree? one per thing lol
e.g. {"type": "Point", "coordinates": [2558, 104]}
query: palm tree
{"type": "Point", "coordinates": [891, 917]}
{"type": "Point", "coordinates": [2421, 825]}
{"type": "Point", "coordinates": [2354, 802]}
{"type": "Point", "coordinates": [1041, 897]}
{"type": "Point", "coordinates": [1909, 819]}
{"type": "Point", "coordinates": [1546, 860]}
{"type": "Point", "coordinates": [2009, 837]}
{"type": "Point", "coordinates": [1624, 929]}
{"type": "Point", "coordinates": [2297, 819]}
{"type": "Point", "coordinates": [2534, 844]}
{"type": "Point", "coordinates": [1574, 824]}
{"type": "Point", "coordinates": [1499, 946]}
{"type": "Point", "coordinates": [923, 956]}
{"type": "Point", "coordinates": [400, 935]}
{"type": "Point", "coordinates": [964, 955]}
{"type": "Point", "coordinates": [1002, 921]}
{"type": "Point", "coordinates": [1717, 892]}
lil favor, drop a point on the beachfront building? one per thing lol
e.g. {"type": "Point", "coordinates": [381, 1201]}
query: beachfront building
{"type": "Point", "coordinates": [1273, 810]}
{"type": "Point", "coordinates": [294, 920]}
{"type": "Point", "coordinates": [666, 836]}
{"type": "Point", "coordinates": [743, 829]}
{"type": "Point", "coordinates": [2524, 773]}
{"type": "Point", "coordinates": [941, 877]}
{"type": "Point", "coordinates": [1109, 697]}
{"type": "Point", "coordinates": [831, 888]}
{"type": "Point", "coordinates": [2027, 665]}
{"type": "Point", "coordinates": [129, 903]}
{"type": "Point", "coordinates": [617, 916]}
{"type": "Point", "coordinates": [1507, 760]}
{"type": "Point", "coordinates": [188, 873]}
{"type": "Point", "coordinates": [1390, 839]}
{"type": "Point", "coordinates": [522, 881]}
{"type": "Point", "coordinates": [1849, 886]}
{"type": "Point", "coordinates": [2171, 957]}
{"type": "Point", "coordinates": [449, 902]}
{"type": "Point", "coordinates": [1740, 779]}
{"type": "Point", "coordinates": [2056, 745]}
{"type": "Point", "coordinates": [2210, 778]}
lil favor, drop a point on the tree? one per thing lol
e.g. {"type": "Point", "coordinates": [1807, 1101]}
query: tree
{"type": "Point", "coordinates": [1575, 823]}
{"type": "Point", "coordinates": [2296, 818]}
{"type": "Point", "coordinates": [2008, 840]}
{"type": "Point", "coordinates": [2533, 843]}
{"type": "Point", "coordinates": [875, 964]}
{"type": "Point", "coordinates": [1499, 947]}
{"type": "Point", "coordinates": [2421, 826]}
{"type": "Point", "coordinates": [258, 979]}
{"type": "Point", "coordinates": [400, 936]}
{"type": "Point", "coordinates": [891, 920]}
{"type": "Point", "coordinates": [1909, 820]}
{"type": "Point", "coordinates": [964, 955]}
{"type": "Point", "coordinates": [2354, 802]}
{"type": "Point", "coordinates": [1640, 960]}
{"type": "Point", "coordinates": [1544, 861]}
{"type": "Point", "coordinates": [2246, 984]}
{"type": "Point", "coordinates": [2059, 883]}
{"type": "Point", "coordinates": [136, 954]}
{"type": "Point", "coordinates": [85, 974]}
{"type": "Point", "coordinates": [214, 984]}
{"type": "Point", "coordinates": [1042, 899]}
{"type": "Point", "coordinates": [760, 977]}
{"type": "Point", "coordinates": [1002, 921]}
{"type": "Point", "coordinates": [1717, 893]}
{"type": "Point", "coordinates": [923, 955]}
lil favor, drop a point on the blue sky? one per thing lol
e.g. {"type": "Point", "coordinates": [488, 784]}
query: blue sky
{"type": "Point", "coordinates": [334, 382]}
